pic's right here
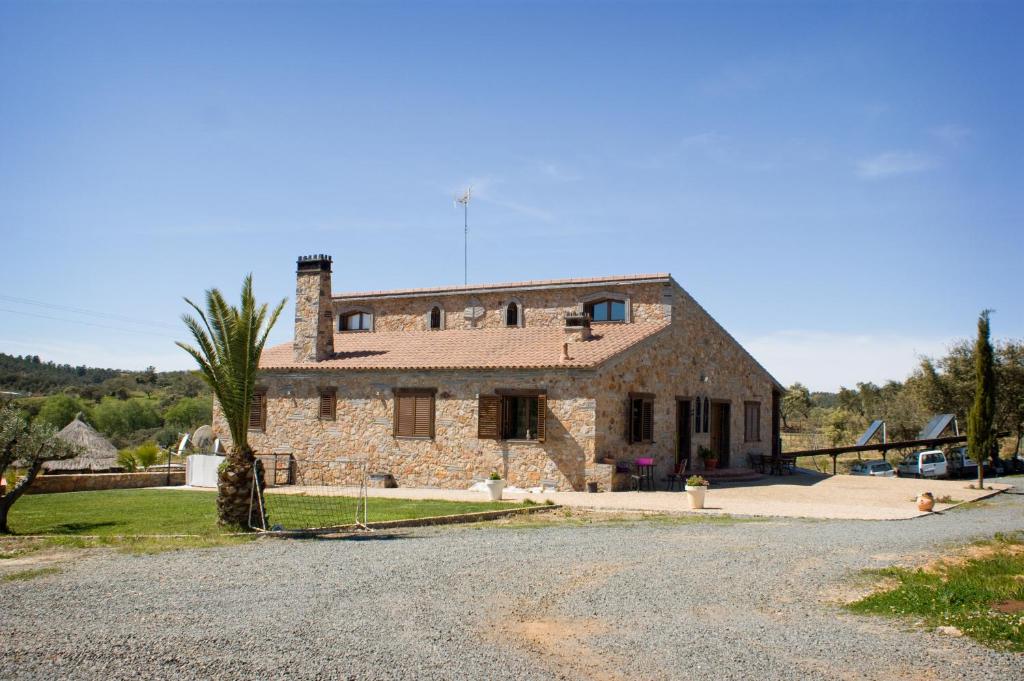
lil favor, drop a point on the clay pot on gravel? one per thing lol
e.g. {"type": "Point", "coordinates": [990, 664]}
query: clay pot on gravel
{"type": "Point", "coordinates": [925, 502]}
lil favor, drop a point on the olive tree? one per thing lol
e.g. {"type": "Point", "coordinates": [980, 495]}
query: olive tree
{"type": "Point", "coordinates": [27, 447]}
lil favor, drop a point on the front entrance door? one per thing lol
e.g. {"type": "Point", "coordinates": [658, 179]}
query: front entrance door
{"type": "Point", "coordinates": [719, 427]}
{"type": "Point", "coordinates": [683, 420]}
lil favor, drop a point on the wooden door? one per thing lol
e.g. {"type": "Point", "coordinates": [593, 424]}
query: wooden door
{"type": "Point", "coordinates": [719, 427]}
{"type": "Point", "coordinates": [683, 416]}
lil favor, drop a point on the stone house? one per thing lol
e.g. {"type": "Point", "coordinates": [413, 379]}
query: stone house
{"type": "Point", "coordinates": [549, 383]}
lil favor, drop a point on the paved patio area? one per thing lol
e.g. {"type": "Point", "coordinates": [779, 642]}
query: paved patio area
{"type": "Point", "coordinates": [804, 495]}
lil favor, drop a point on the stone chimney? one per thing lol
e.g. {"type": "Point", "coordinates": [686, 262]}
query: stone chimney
{"type": "Point", "coordinates": [314, 319]}
{"type": "Point", "coordinates": [577, 327]}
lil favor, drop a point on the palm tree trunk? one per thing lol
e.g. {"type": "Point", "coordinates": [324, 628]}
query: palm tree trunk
{"type": "Point", "coordinates": [239, 501]}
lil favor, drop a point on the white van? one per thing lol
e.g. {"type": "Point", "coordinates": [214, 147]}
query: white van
{"type": "Point", "coordinates": [930, 463]}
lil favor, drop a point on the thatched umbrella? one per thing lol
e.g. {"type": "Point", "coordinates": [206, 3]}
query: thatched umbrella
{"type": "Point", "coordinates": [98, 456]}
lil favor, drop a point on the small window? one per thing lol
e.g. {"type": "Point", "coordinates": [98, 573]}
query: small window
{"type": "Point", "coordinates": [435, 318]}
{"type": "Point", "coordinates": [606, 310]}
{"type": "Point", "coordinates": [328, 404]}
{"type": "Point", "coordinates": [640, 426]}
{"type": "Point", "coordinates": [258, 411]}
{"type": "Point", "coordinates": [513, 415]}
{"type": "Point", "coordinates": [355, 321]}
{"type": "Point", "coordinates": [414, 412]}
{"type": "Point", "coordinates": [752, 421]}
{"type": "Point", "coordinates": [512, 315]}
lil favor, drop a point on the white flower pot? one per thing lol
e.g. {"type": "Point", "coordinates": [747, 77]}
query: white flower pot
{"type": "Point", "coordinates": [494, 489]}
{"type": "Point", "coordinates": [696, 496]}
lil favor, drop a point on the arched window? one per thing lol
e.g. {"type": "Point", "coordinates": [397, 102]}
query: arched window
{"type": "Point", "coordinates": [358, 320]}
{"type": "Point", "coordinates": [512, 313]}
{"type": "Point", "coordinates": [435, 317]}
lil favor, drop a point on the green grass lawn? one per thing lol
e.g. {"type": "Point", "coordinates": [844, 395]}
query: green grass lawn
{"type": "Point", "coordinates": [980, 595]}
{"type": "Point", "coordinates": [147, 511]}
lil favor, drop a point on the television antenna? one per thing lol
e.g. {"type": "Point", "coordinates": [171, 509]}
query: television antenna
{"type": "Point", "coordinates": [464, 200]}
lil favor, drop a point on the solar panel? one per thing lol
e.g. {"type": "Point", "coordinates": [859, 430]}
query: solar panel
{"type": "Point", "coordinates": [870, 432]}
{"type": "Point", "coordinates": [936, 426]}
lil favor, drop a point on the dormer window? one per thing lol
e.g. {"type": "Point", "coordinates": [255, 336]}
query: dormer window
{"type": "Point", "coordinates": [435, 318]}
{"type": "Point", "coordinates": [355, 321]}
{"type": "Point", "coordinates": [606, 310]}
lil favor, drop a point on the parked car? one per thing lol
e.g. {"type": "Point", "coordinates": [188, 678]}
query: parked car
{"type": "Point", "coordinates": [959, 465]}
{"type": "Point", "coordinates": [930, 463]}
{"type": "Point", "coordinates": [879, 468]}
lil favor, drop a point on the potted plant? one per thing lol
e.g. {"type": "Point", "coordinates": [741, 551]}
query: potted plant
{"type": "Point", "coordinates": [709, 458]}
{"type": "Point", "coordinates": [495, 485]}
{"type": "Point", "coordinates": [696, 487]}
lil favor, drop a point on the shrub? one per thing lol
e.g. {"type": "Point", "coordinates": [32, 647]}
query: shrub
{"type": "Point", "coordinates": [706, 453]}
{"type": "Point", "coordinates": [60, 410]}
{"type": "Point", "coordinates": [143, 456]}
{"type": "Point", "coordinates": [147, 454]}
{"type": "Point", "coordinates": [126, 460]}
{"type": "Point", "coordinates": [189, 412]}
{"type": "Point", "coordinates": [116, 417]}
{"type": "Point", "coordinates": [495, 475]}
{"type": "Point", "coordinates": [696, 481]}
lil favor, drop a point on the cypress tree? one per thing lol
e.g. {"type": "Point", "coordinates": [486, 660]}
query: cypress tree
{"type": "Point", "coordinates": [981, 439]}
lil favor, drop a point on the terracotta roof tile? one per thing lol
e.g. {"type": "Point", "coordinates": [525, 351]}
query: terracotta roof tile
{"type": "Point", "coordinates": [527, 348]}
{"type": "Point", "coordinates": [536, 283]}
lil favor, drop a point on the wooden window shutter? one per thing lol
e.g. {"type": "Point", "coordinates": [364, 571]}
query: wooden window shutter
{"type": "Point", "coordinates": [489, 417]}
{"type": "Point", "coordinates": [405, 415]}
{"type": "Point", "coordinates": [423, 421]}
{"type": "Point", "coordinates": [648, 420]}
{"type": "Point", "coordinates": [328, 404]}
{"type": "Point", "coordinates": [258, 411]}
{"type": "Point", "coordinates": [542, 416]}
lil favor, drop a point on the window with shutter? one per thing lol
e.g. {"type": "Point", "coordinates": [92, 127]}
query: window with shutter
{"type": "Point", "coordinates": [328, 404]}
{"type": "Point", "coordinates": [513, 415]}
{"type": "Point", "coordinates": [752, 421]}
{"type": "Point", "coordinates": [414, 412]}
{"type": "Point", "coordinates": [258, 411]}
{"type": "Point", "coordinates": [641, 418]}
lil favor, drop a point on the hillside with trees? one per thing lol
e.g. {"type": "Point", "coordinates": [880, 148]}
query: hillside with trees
{"type": "Point", "coordinates": [943, 385]}
{"type": "Point", "coordinates": [129, 407]}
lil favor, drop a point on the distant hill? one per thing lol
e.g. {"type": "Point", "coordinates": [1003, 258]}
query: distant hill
{"type": "Point", "coordinates": [29, 374]}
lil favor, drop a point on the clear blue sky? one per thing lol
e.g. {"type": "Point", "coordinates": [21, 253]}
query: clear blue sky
{"type": "Point", "coordinates": [839, 185]}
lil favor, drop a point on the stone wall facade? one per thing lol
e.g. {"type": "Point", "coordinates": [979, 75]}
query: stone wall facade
{"type": "Point", "coordinates": [586, 418]}
{"type": "Point", "coordinates": [86, 482]}
{"type": "Point", "coordinates": [649, 302]}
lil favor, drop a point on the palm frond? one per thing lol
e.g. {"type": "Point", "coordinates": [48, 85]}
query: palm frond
{"type": "Point", "coordinates": [227, 349]}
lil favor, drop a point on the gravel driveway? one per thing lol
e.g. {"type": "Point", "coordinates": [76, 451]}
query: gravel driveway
{"type": "Point", "coordinates": [640, 600]}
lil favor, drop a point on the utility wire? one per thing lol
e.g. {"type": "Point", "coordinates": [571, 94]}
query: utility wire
{"type": "Point", "coordinates": [79, 321]}
{"type": "Point", "coordinates": [84, 311]}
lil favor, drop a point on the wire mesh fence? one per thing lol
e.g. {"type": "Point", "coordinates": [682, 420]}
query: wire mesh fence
{"type": "Point", "coordinates": [317, 495]}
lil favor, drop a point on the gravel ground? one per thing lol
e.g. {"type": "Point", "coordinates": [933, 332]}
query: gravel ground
{"type": "Point", "coordinates": [643, 600]}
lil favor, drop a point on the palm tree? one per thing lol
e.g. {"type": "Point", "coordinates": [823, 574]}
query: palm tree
{"type": "Point", "coordinates": [230, 343]}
